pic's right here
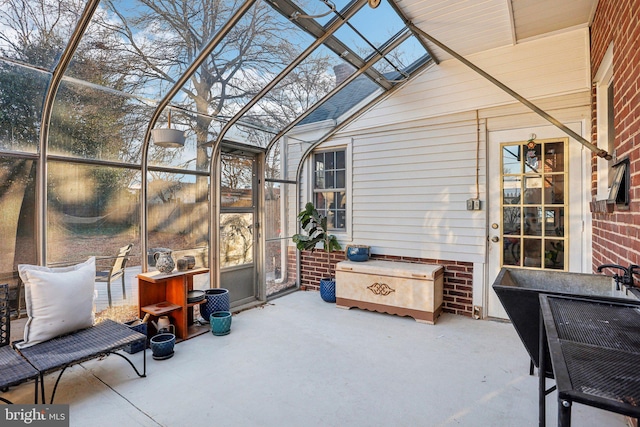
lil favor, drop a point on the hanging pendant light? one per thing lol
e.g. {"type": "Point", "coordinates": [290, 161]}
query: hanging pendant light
{"type": "Point", "coordinates": [168, 138]}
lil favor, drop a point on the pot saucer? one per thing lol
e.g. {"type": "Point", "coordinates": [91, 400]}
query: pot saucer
{"type": "Point", "coordinates": [195, 296]}
{"type": "Point", "coordinates": [168, 356]}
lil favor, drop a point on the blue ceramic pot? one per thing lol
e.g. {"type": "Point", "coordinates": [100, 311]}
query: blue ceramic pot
{"type": "Point", "coordinates": [162, 345]}
{"type": "Point", "coordinates": [328, 289]}
{"type": "Point", "coordinates": [217, 300]}
{"type": "Point", "coordinates": [358, 253]}
{"type": "Point", "coordinates": [220, 322]}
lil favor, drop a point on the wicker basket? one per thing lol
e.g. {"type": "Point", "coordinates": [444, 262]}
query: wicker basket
{"type": "Point", "coordinates": [139, 345]}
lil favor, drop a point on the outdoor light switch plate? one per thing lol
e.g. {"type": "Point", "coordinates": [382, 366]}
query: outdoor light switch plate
{"type": "Point", "coordinates": [473, 204]}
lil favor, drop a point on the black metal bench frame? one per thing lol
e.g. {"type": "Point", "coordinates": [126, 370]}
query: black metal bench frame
{"type": "Point", "coordinates": [14, 369]}
{"type": "Point", "coordinates": [20, 365]}
{"type": "Point", "coordinates": [100, 340]}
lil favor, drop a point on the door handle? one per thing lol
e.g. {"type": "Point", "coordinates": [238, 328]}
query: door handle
{"type": "Point", "coordinates": [495, 239]}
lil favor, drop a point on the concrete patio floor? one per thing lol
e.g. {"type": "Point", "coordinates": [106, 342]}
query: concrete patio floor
{"type": "Point", "coordinates": [298, 361]}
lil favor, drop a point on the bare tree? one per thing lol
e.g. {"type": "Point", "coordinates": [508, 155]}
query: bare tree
{"type": "Point", "coordinates": [154, 44]}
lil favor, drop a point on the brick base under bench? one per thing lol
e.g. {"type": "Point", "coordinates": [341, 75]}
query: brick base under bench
{"type": "Point", "coordinates": [401, 288]}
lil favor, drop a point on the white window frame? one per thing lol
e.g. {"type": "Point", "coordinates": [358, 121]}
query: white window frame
{"type": "Point", "coordinates": [603, 79]}
{"type": "Point", "coordinates": [344, 236]}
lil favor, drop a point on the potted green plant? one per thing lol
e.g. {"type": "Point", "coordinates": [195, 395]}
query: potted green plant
{"type": "Point", "coordinates": [315, 226]}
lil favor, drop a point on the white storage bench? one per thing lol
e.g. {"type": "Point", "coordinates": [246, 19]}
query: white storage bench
{"type": "Point", "coordinates": [401, 288]}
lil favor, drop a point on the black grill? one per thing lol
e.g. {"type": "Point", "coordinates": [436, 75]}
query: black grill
{"type": "Point", "coordinates": [600, 324]}
{"type": "Point", "coordinates": [600, 346]}
{"type": "Point", "coordinates": [603, 372]}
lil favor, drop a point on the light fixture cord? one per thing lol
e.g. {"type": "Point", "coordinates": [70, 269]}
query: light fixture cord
{"type": "Point", "coordinates": [330, 5]}
{"type": "Point", "coordinates": [477, 154]}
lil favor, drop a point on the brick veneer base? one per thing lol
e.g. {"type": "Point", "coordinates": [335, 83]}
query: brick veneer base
{"type": "Point", "coordinates": [458, 276]}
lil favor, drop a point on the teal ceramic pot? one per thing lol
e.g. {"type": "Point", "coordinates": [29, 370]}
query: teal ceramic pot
{"type": "Point", "coordinates": [220, 322]}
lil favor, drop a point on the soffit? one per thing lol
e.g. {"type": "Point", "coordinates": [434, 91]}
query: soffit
{"type": "Point", "coordinates": [474, 26]}
{"type": "Point", "coordinates": [537, 17]}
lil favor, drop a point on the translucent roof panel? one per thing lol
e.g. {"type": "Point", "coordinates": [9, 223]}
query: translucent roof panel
{"type": "Point", "coordinates": [22, 91]}
{"type": "Point", "coordinates": [344, 101]}
{"type": "Point", "coordinates": [259, 47]}
{"type": "Point", "coordinates": [143, 47]}
{"type": "Point", "coordinates": [91, 122]}
{"type": "Point", "coordinates": [321, 10]}
{"type": "Point", "coordinates": [307, 84]}
{"type": "Point", "coordinates": [255, 51]}
{"type": "Point", "coordinates": [370, 29]}
{"type": "Point", "coordinates": [248, 134]}
{"type": "Point", "coordinates": [36, 32]}
{"type": "Point", "coordinates": [403, 60]}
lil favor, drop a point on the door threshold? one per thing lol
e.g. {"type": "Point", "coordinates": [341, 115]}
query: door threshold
{"type": "Point", "coordinates": [247, 306]}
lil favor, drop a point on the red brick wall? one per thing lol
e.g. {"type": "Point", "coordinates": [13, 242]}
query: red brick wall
{"type": "Point", "coordinates": [616, 235]}
{"type": "Point", "coordinates": [458, 277]}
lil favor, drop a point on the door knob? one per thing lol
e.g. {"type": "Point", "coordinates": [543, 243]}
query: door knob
{"type": "Point", "coordinates": [495, 239]}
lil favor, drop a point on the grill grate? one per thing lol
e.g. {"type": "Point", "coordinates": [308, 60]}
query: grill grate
{"type": "Point", "coordinates": [603, 372]}
{"type": "Point", "coordinates": [598, 323]}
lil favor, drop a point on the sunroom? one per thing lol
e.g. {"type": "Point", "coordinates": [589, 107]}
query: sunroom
{"type": "Point", "coordinates": [471, 135]}
{"type": "Point", "coordinates": [247, 90]}
{"type": "Point", "coordinates": [275, 105]}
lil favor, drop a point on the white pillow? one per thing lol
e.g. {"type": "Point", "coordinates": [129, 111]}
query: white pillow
{"type": "Point", "coordinates": [59, 300]}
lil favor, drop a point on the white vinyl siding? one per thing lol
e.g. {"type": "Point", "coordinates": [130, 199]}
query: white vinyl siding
{"type": "Point", "coordinates": [410, 188]}
{"type": "Point", "coordinates": [414, 154]}
{"type": "Point", "coordinates": [548, 67]}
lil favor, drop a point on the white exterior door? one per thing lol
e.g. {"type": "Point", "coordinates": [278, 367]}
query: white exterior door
{"type": "Point", "coordinates": [529, 205]}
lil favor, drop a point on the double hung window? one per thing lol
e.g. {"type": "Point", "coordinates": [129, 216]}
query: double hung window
{"type": "Point", "coordinates": [329, 186]}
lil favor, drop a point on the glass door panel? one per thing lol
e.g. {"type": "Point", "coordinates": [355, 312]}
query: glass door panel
{"type": "Point", "coordinates": [236, 239]}
{"type": "Point", "coordinates": [533, 204]}
{"type": "Point", "coordinates": [237, 232]}
{"type": "Point", "coordinates": [280, 256]}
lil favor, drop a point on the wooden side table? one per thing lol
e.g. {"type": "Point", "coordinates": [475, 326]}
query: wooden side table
{"type": "Point", "coordinates": [166, 295]}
